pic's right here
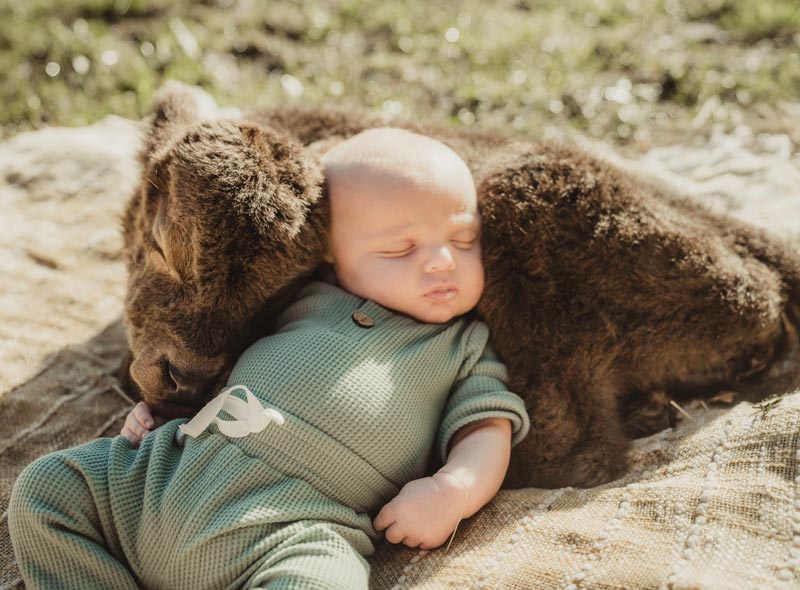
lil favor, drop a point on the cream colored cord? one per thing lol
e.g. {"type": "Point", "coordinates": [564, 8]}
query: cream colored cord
{"type": "Point", "coordinates": [460, 517]}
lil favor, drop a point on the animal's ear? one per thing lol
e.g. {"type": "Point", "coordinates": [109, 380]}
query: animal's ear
{"type": "Point", "coordinates": [174, 108]}
{"type": "Point", "coordinates": [286, 184]}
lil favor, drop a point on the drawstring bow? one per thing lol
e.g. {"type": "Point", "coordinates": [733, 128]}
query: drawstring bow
{"type": "Point", "coordinates": [249, 415]}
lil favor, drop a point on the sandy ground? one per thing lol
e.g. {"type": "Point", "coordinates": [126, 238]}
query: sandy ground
{"type": "Point", "coordinates": [61, 194]}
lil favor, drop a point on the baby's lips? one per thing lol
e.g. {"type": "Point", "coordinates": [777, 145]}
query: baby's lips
{"type": "Point", "coordinates": [443, 293]}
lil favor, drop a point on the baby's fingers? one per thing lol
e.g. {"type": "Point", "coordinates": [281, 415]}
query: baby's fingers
{"type": "Point", "coordinates": [413, 542]}
{"type": "Point", "coordinates": [134, 438]}
{"type": "Point", "coordinates": [385, 518]}
{"type": "Point", "coordinates": [395, 534]}
{"type": "Point", "coordinates": [135, 428]}
{"type": "Point", "coordinates": [143, 415]}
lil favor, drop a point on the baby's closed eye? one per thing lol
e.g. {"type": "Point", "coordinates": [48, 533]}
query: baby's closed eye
{"type": "Point", "coordinates": [397, 250]}
{"type": "Point", "coordinates": [464, 244]}
{"type": "Point", "coordinates": [464, 239]}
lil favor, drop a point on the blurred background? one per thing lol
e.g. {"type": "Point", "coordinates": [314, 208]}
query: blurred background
{"type": "Point", "coordinates": [638, 73]}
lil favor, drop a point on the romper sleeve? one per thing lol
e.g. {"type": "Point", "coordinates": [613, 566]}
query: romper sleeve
{"type": "Point", "coordinates": [480, 392]}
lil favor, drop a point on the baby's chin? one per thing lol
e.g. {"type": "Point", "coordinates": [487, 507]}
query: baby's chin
{"type": "Point", "coordinates": [436, 315]}
{"type": "Point", "coordinates": [429, 311]}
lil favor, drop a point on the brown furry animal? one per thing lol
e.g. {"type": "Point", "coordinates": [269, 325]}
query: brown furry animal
{"type": "Point", "coordinates": [226, 218]}
{"type": "Point", "coordinates": [602, 291]}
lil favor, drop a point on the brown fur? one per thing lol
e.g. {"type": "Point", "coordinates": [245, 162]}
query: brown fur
{"type": "Point", "coordinates": [235, 209]}
{"type": "Point", "coordinates": [602, 290]}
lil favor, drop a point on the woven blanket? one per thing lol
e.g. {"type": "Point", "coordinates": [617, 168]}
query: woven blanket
{"type": "Point", "coordinates": [712, 503]}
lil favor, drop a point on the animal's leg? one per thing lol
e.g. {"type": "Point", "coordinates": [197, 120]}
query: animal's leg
{"type": "Point", "coordinates": [539, 459]}
{"type": "Point", "coordinates": [576, 436]}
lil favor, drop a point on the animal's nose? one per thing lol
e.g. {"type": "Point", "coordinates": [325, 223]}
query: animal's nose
{"type": "Point", "coordinates": [190, 384]}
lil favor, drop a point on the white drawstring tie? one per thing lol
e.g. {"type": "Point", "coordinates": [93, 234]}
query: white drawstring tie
{"type": "Point", "coordinates": [249, 416]}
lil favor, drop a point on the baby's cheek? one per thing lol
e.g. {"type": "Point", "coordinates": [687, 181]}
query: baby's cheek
{"type": "Point", "coordinates": [386, 282]}
{"type": "Point", "coordinates": [360, 276]}
{"type": "Point", "coordinates": [473, 269]}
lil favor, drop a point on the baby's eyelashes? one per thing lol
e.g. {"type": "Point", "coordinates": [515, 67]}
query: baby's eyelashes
{"type": "Point", "coordinates": [400, 252]}
{"type": "Point", "coordinates": [465, 244]}
{"type": "Point", "coordinates": [397, 251]}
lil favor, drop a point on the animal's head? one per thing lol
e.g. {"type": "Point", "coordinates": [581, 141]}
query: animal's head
{"type": "Point", "coordinates": [226, 218]}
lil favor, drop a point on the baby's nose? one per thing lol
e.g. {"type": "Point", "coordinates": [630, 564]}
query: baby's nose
{"type": "Point", "coordinates": [440, 260]}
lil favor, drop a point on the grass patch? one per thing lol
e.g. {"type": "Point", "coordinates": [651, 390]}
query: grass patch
{"type": "Point", "coordinates": [613, 69]}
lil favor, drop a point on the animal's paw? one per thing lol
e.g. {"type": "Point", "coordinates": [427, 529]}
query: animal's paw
{"type": "Point", "coordinates": [649, 413]}
{"type": "Point", "coordinates": [597, 464]}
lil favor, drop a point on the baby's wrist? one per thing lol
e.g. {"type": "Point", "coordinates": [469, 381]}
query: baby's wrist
{"type": "Point", "coordinates": [450, 484]}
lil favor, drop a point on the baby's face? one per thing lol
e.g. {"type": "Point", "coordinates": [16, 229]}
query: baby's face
{"type": "Point", "coordinates": [410, 246]}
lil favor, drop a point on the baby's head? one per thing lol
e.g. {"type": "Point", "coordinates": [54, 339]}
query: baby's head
{"type": "Point", "coordinates": [404, 224]}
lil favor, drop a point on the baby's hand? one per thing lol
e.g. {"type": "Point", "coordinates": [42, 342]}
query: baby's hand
{"type": "Point", "coordinates": [139, 423]}
{"type": "Point", "coordinates": [424, 513]}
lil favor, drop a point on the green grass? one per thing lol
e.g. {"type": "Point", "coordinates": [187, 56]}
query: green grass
{"type": "Point", "coordinates": [620, 69]}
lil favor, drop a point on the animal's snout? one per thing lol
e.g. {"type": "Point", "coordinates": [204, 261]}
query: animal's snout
{"type": "Point", "coordinates": [191, 386]}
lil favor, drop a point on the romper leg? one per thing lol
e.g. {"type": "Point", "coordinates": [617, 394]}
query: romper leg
{"type": "Point", "coordinates": [318, 556]}
{"type": "Point", "coordinates": [59, 518]}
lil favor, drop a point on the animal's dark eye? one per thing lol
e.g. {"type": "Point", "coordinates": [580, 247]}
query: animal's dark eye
{"type": "Point", "coordinates": [158, 249]}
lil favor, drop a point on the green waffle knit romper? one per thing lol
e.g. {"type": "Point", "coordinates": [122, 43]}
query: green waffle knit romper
{"type": "Point", "coordinates": [364, 403]}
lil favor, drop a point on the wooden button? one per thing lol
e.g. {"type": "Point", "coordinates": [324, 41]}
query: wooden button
{"type": "Point", "coordinates": [363, 320]}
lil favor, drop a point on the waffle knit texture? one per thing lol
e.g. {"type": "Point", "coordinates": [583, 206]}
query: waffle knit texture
{"type": "Point", "coordinates": [287, 507]}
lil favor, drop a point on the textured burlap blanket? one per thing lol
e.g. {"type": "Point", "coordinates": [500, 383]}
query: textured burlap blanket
{"type": "Point", "coordinates": [713, 503]}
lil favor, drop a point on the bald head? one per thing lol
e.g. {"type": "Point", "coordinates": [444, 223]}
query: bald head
{"type": "Point", "coordinates": [404, 224]}
{"type": "Point", "coordinates": [389, 155]}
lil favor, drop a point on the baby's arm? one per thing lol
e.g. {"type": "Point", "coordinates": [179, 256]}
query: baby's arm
{"type": "Point", "coordinates": [427, 510]}
{"type": "Point", "coordinates": [139, 423]}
